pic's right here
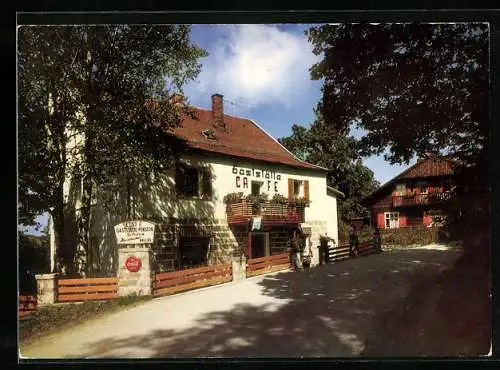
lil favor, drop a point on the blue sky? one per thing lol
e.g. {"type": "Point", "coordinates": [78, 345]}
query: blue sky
{"type": "Point", "coordinates": [263, 73]}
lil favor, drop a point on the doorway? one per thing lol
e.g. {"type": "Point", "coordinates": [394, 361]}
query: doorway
{"type": "Point", "coordinates": [260, 245]}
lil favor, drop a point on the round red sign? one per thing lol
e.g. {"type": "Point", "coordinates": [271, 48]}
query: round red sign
{"type": "Point", "coordinates": [133, 264]}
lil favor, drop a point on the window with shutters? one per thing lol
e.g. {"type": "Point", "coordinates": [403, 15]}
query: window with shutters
{"type": "Point", "coordinates": [193, 182]}
{"type": "Point", "coordinates": [298, 189]}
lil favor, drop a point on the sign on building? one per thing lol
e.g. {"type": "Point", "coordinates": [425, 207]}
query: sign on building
{"type": "Point", "coordinates": [135, 232]}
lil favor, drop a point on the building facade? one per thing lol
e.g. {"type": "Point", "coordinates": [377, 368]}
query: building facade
{"type": "Point", "coordinates": [413, 198]}
{"type": "Point", "coordinates": [235, 191]}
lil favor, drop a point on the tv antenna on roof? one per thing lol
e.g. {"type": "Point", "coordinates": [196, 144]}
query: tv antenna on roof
{"type": "Point", "coordinates": [239, 104]}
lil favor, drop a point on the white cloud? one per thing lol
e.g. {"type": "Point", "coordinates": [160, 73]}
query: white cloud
{"type": "Point", "coordinates": [255, 65]}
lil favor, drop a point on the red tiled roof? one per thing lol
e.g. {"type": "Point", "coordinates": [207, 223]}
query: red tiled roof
{"type": "Point", "coordinates": [429, 167]}
{"type": "Point", "coordinates": [241, 137]}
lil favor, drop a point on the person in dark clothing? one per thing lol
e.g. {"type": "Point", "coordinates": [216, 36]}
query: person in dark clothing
{"type": "Point", "coordinates": [323, 250]}
{"type": "Point", "coordinates": [353, 242]}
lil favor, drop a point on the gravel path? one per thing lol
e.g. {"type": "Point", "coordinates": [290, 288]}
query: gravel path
{"type": "Point", "coordinates": [324, 311]}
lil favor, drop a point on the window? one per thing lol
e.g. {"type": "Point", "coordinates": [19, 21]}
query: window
{"type": "Point", "coordinates": [391, 220]}
{"type": "Point", "coordinates": [193, 251]}
{"type": "Point", "coordinates": [297, 188]}
{"type": "Point", "coordinates": [400, 189]}
{"type": "Point", "coordinates": [256, 186]}
{"type": "Point", "coordinates": [422, 187]}
{"type": "Point", "coordinates": [193, 182]}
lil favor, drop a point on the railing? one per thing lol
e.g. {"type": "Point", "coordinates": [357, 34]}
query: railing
{"type": "Point", "coordinates": [420, 199]}
{"type": "Point", "coordinates": [264, 265]}
{"type": "Point", "coordinates": [343, 251]}
{"type": "Point", "coordinates": [87, 289]}
{"type": "Point", "coordinates": [271, 212]}
{"type": "Point", "coordinates": [27, 305]}
{"type": "Point", "coordinates": [178, 281]}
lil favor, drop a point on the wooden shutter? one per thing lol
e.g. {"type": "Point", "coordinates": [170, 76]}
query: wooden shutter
{"type": "Point", "coordinates": [206, 178]}
{"type": "Point", "coordinates": [290, 188]}
{"type": "Point", "coordinates": [306, 189]}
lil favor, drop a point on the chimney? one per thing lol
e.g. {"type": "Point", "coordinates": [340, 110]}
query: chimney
{"type": "Point", "coordinates": [218, 110]}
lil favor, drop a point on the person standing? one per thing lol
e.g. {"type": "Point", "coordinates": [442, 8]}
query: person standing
{"type": "Point", "coordinates": [295, 252]}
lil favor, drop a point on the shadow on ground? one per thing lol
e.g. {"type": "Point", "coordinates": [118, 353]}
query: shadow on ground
{"type": "Point", "coordinates": [327, 311]}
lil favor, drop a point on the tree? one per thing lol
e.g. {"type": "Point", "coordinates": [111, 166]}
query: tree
{"type": "Point", "coordinates": [414, 89]}
{"type": "Point", "coordinates": [84, 114]}
{"type": "Point", "coordinates": [323, 145]}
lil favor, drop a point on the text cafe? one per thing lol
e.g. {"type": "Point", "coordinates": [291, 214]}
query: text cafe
{"type": "Point", "coordinates": [242, 176]}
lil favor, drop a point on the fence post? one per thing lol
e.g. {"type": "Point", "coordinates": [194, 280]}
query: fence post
{"type": "Point", "coordinates": [239, 268]}
{"type": "Point", "coordinates": [135, 271]}
{"type": "Point", "coordinates": [46, 289]}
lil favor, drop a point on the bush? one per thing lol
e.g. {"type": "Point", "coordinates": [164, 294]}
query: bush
{"type": "Point", "coordinates": [279, 199]}
{"type": "Point", "coordinates": [231, 198]}
{"type": "Point", "coordinates": [410, 236]}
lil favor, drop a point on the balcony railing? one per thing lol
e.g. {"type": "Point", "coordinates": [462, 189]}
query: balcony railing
{"type": "Point", "coordinates": [420, 199]}
{"type": "Point", "coordinates": [243, 211]}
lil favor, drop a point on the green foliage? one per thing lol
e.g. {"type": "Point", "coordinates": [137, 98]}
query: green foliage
{"type": "Point", "coordinates": [322, 145]}
{"type": "Point", "coordinates": [256, 201]}
{"type": "Point", "coordinates": [410, 236]}
{"type": "Point", "coordinates": [414, 89]}
{"type": "Point", "coordinates": [33, 259]}
{"type": "Point", "coordinates": [279, 199]}
{"type": "Point", "coordinates": [96, 83]}
{"type": "Point", "coordinates": [231, 198]}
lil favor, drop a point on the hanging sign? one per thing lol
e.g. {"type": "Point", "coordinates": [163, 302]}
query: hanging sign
{"type": "Point", "coordinates": [133, 264]}
{"type": "Point", "coordinates": [135, 232]}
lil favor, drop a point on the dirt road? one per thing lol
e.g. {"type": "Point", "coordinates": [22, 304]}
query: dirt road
{"type": "Point", "coordinates": [324, 311]}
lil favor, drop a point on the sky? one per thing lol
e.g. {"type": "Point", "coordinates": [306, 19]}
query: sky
{"type": "Point", "coordinates": [263, 73]}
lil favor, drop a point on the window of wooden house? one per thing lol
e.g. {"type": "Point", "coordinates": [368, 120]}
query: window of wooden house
{"type": "Point", "coordinates": [400, 189]}
{"type": "Point", "coordinates": [422, 187]}
{"type": "Point", "coordinates": [193, 251]}
{"type": "Point", "coordinates": [391, 220]}
{"type": "Point", "coordinates": [193, 182]}
{"type": "Point", "coordinates": [297, 188]}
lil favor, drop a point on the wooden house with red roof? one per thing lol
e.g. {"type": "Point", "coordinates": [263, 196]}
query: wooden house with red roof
{"type": "Point", "coordinates": [411, 198]}
{"type": "Point", "coordinates": [235, 191]}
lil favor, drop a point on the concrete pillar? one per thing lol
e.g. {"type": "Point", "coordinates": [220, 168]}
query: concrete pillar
{"type": "Point", "coordinates": [46, 289]}
{"type": "Point", "coordinates": [135, 282]}
{"type": "Point", "coordinates": [239, 268]}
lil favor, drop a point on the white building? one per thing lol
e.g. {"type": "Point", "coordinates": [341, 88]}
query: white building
{"type": "Point", "coordinates": [223, 155]}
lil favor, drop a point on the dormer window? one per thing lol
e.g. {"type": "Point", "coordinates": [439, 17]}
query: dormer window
{"type": "Point", "coordinates": [209, 134]}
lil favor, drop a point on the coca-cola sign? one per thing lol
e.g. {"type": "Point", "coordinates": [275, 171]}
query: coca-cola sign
{"type": "Point", "coordinates": [133, 264]}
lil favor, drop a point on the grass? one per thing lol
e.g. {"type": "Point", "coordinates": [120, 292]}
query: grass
{"type": "Point", "coordinates": [51, 319]}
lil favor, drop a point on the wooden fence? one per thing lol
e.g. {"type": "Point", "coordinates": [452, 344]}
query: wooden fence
{"type": "Point", "coordinates": [263, 265]}
{"type": "Point", "coordinates": [338, 252]}
{"type": "Point", "coordinates": [341, 252]}
{"type": "Point", "coordinates": [87, 289]}
{"type": "Point", "coordinates": [177, 281]}
{"type": "Point", "coordinates": [27, 305]}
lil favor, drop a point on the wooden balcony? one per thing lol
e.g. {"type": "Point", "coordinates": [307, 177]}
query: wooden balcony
{"type": "Point", "coordinates": [243, 211]}
{"type": "Point", "coordinates": [420, 199]}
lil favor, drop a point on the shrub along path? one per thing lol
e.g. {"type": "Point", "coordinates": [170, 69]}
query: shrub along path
{"type": "Point", "coordinates": [332, 310]}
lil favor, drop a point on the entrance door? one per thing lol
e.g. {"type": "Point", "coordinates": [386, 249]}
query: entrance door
{"type": "Point", "coordinates": [260, 245]}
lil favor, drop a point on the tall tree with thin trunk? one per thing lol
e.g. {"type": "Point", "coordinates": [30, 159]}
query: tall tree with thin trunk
{"type": "Point", "coordinates": [85, 114]}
